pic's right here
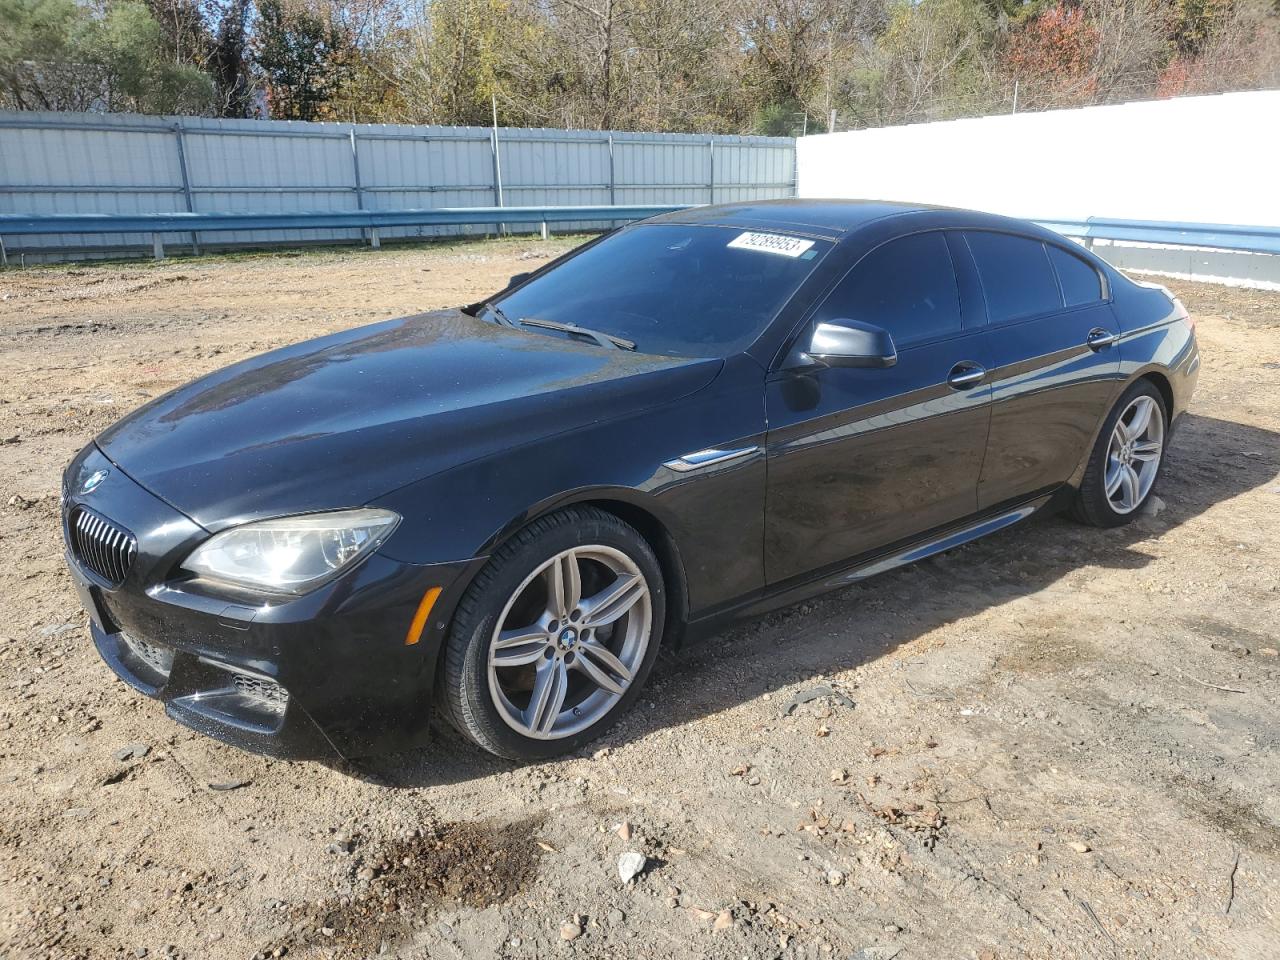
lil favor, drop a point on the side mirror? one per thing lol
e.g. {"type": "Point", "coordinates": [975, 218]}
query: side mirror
{"type": "Point", "coordinates": [852, 343]}
{"type": "Point", "coordinates": [518, 278]}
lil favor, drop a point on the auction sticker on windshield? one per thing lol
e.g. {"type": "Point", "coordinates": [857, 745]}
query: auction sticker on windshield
{"type": "Point", "coordinates": [771, 243]}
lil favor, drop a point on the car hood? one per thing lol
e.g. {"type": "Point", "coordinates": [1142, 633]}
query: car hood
{"type": "Point", "coordinates": [344, 419]}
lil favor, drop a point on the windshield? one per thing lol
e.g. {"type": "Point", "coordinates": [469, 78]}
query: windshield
{"type": "Point", "coordinates": [673, 289]}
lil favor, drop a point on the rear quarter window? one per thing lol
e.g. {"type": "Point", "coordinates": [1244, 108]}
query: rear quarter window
{"type": "Point", "coordinates": [1080, 281]}
{"type": "Point", "coordinates": [1017, 277]}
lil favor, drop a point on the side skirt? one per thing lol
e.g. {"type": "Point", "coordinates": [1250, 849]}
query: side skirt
{"type": "Point", "coordinates": [865, 568]}
{"type": "Point", "coordinates": [931, 547]}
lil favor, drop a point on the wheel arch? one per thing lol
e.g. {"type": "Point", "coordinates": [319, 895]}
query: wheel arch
{"type": "Point", "coordinates": [1161, 383]}
{"type": "Point", "coordinates": [628, 505]}
{"type": "Point", "coordinates": [660, 538]}
{"type": "Point", "coordinates": [640, 511]}
{"type": "Point", "coordinates": [1158, 378]}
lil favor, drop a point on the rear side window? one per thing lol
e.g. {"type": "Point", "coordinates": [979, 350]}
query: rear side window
{"type": "Point", "coordinates": [1080, 282]}
{"type": "Point", "coordinates": [1017, 277]}
{"type": "Point", "coordinates": [907, 286]}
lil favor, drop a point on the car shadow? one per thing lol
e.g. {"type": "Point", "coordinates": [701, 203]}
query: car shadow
{"type": "Point", "coordinates": [1209, 461]}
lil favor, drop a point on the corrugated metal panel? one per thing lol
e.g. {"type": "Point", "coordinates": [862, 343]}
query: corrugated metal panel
{"type": "Point", "coordinates": [119, 163]}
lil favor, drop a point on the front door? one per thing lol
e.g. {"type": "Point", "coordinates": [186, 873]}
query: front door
{"type": "Point", "coordinates": [859, 459]}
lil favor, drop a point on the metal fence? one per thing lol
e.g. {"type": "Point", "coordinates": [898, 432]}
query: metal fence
{"type": "Point", "coordinates": [55, 163]}
{"type": "Point", "coordinates": [163, 227]}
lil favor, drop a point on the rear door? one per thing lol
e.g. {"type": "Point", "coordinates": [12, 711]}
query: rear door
{"type": "Point", "coordinates": [1051, 335]}
{"type": "Point", "coordinates": [862, 458]}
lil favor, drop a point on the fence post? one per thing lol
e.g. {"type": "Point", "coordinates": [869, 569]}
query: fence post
{"type": "Point", "coordinates": [497, 168]}
{"type": "Point", "coordinates": [613, 199]}
{"type": "Point", "coordinates": [4, 256]}
{"type": "Point", "coordinates": [355, 175]}
{"type": "Point", "coordinates": [157, 246]}
{"type": "Point", "coordinates": [186, 184]}
{"type": "Point", "coordinates": [497, 163]}
{"type": "Point", "coordinates": [711, 180]}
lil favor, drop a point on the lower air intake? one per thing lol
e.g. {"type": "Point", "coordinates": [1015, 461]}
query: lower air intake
{"type": "Point", "coordinates": [159, 659]}
{"type": "Point", "coordinates": [270, 695]}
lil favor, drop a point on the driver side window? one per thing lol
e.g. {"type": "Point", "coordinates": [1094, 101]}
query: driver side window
{"type": "Point", "coordinates": [907, 286]}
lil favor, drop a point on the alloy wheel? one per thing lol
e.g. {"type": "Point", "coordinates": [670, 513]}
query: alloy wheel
{"type": "Point", "coordinates": [1133, 455]}
{"type": "Point", "coordinates": [569, 642]}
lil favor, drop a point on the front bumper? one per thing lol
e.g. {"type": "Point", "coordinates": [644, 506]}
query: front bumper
{"type": "Point", "coordinates": [321, 676]}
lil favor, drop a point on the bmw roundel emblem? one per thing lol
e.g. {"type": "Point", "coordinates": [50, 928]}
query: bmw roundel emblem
{"type": "Point", "coordinates": [93, 481]}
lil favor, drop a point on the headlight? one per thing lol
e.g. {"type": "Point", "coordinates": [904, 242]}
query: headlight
{"type": "Point", "coordinates": [291, 554]}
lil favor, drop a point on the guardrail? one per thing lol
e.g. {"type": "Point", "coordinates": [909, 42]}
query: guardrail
{"type": "Point", "coordinates": [1217, 236]}
{"type": "Point", "coordinates": [159, 224]}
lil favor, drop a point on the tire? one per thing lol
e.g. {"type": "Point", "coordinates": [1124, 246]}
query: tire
{"type": "Point", "coordinates": [1112, 453]}
{"type": "Point", "coordinates": [490, 683]}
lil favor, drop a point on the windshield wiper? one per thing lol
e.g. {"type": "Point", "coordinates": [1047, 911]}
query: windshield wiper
{"type": "Point", "coordinates": [604, 339]}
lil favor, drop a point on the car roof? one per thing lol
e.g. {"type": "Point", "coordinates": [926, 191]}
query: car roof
{"type": "Point", "coordinates": [838, 220]}
{"type": "Point", "coordinates": [828, 219]}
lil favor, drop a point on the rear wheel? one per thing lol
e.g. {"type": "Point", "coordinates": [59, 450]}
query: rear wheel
{"type": "Point", "coordinates": [556, 636]}
{"type": "Point", "coordinates": [1126, 459]}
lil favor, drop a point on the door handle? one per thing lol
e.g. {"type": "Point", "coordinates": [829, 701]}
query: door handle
{"type": "Point", "coordinates": [1100, 339]}
{"type": "Point", "coordinates": [966, 374]}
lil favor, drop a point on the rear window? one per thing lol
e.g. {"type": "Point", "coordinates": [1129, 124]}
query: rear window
{"type": "Point", "coordinates": [1017, 278]}
{"type": "Point", "coordinates": [674, 289]}
{"type": "Point", "coordinates": [1080, 282]}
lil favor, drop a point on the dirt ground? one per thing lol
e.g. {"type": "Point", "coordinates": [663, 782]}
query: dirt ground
{"type": "Point", "coordinates": [1058, 742]}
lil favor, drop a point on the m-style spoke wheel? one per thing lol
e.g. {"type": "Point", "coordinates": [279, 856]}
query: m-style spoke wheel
{"type": "Point", "coordinates": [563, 670]}
{"type": "Point", "coordinates": [1133, 456]}
{"type": "Point", "coordinates": [1127, 459]}
{"type": "Point", "coordinates": [554, 639]}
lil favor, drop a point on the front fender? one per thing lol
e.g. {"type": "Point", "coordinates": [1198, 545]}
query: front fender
{"type": "Point", "coordinates": [639, 500]}
{"type": "Point", "coordinates": [714, 516]}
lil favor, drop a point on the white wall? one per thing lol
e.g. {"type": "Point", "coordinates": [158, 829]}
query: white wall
{"type": "Point", "coordinates": [1209, 159]}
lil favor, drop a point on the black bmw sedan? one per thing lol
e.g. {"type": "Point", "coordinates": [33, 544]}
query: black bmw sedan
{"type": "Point", "coordinates": [501, 512]}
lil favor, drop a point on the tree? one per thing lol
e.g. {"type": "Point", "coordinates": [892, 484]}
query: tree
{"type": "Point", "coordinates": [184, 32]}
{"type": "Point", "coordinates": [680, 69]}
{"type": "Point", "coordinates": [58, 55]}
{"type": "Point", "coordinates": [1195, 24]}
{"type": "Point", "coordinates": [302, 55]}
{"type": "Point", "coordinates": [1053, 57]}
{"type": "Point", "coordinates": [371, 88]}
{"type": "Point", "coordinates": [732, 66]}
{"type": "Point", "coordinates": [35, 35]}
{"type": "Point", "coordinates": [228, 62]}
{"type": "Point", "coordinates": [1223, 45]}
{"type": "Point", "coordinates": [932, 62]}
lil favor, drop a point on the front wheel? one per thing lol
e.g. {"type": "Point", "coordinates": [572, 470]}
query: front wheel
{"type": "Point", "coordinates": [1126, 459]}
{"type": "Point", "coordinates": [556, 636]}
